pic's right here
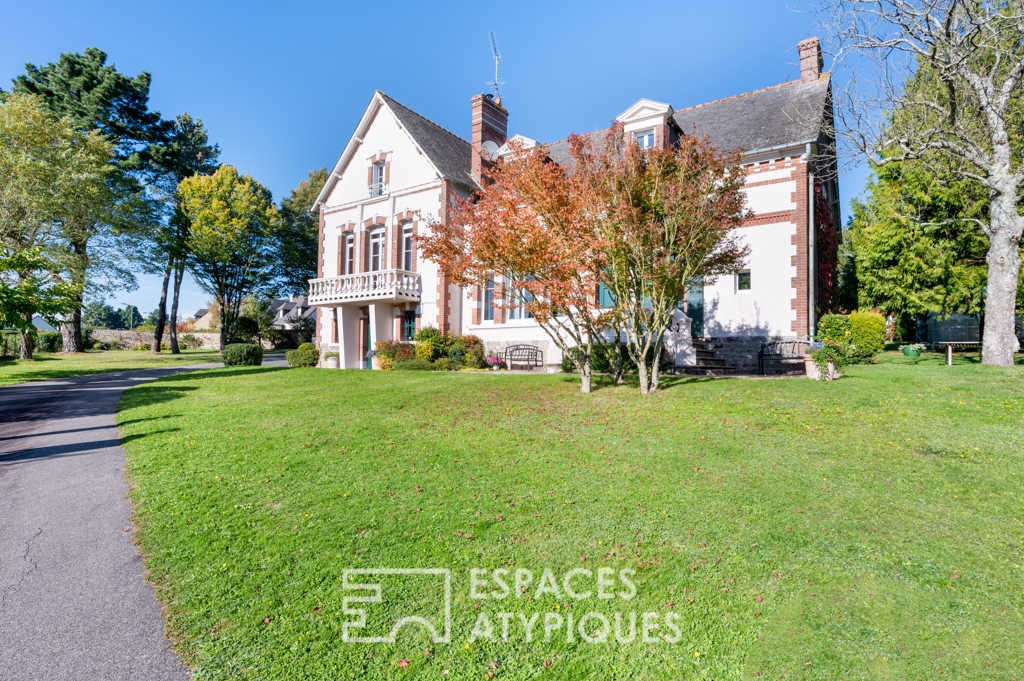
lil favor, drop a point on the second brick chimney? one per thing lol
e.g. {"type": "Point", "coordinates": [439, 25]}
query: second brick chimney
{"type": "Point", "coordinates": [490, 130]}
{"type": "Point", "coordinates": [810, 60]}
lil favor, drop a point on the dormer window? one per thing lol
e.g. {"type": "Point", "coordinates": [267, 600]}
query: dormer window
{"type": "Point", "coordinates": [377, 180]}
{"type": "Point", "coordinates": [644, 138]}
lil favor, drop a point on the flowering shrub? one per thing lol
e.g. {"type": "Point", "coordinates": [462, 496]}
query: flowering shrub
{"type": "Point", "coordinates": [830, 354]}
{"type": "Point", "coordinates": [388, 352]}
{"type": "Point", "coordinates": [495, 361]}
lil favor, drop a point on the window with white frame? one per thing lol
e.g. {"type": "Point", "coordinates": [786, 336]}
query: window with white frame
{"type": "Point", "coordinates": [489, 299]}
{"type": "Point", "coordinates": [743, 280]}
{"type": "Point", "coordinates": [377, 256]}
{"type": "Point", "coordinates": [644, 138]}
{"type": "Point", "coordinates": [349, 255]}
{"type": "Point", "coordinates": [407, 247]}
{"type": "Point", "coordinates": [377, 180]}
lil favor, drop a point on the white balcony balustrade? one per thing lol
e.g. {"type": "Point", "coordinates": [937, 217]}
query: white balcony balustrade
{"type": "Point", "coordinates": [384, 285]}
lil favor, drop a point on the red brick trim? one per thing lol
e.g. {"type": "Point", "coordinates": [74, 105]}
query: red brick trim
{"type": "Point", "coordinates": [800, 325]}
{"type": "Point", "coordinates": [444, 294]}
{"type": "Point", "coordinates": [764, 183]}
{"type": "Point", "coordinates": [320, 272]}
{"type": "Point", "coordinates": [477, 314]}
{"type": "Point", "coordinates": [769, 218]}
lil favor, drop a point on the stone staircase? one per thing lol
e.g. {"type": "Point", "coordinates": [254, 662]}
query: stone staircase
{"type": "Point", "coordinates": [708, 363]}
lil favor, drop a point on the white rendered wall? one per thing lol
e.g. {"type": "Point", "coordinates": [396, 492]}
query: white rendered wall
{"type": "Point", "coordinates": [766, 309]}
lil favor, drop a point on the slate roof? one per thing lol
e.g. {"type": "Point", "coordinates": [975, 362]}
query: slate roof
{"type": "Point", "coordinates": [451, 154]}
{"type": "Point", "coordinates": [200, 312]}
{"type": "Point", "coordinates": [783, 114]}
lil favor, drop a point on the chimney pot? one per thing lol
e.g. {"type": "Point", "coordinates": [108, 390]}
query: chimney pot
{"type": "Point", "coordinates": [811, 61]}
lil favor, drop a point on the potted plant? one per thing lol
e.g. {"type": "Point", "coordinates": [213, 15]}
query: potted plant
{"type": "Point", "coordinates": [827, 358]}
{"type": "Point", "coordinates": [333, 360]}
{"type": "Point", "coordinates": [912, 350]}
{"type": "Point", "coordinates": [495, 363]}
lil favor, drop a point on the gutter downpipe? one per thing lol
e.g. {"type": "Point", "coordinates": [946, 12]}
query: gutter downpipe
{"type": "Point", "coordinates": [811, 280]}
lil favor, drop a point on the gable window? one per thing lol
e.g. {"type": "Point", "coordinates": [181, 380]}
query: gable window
{"type": "Point", "coordinates": [377, 180]}
{"type": "Point", "coordinates": [407, 247]}
{"type": "Point", "coordinates": [409, 325]}
{"type": "Point", "coordinates": [743, 281]}
{"type": "Point", "coordinates": [349, 255]}
{"type": "Point", "coordinates": [644, 138]}
{"type": "Point", "coordinates": [489, 299]}
{"type": "Point", "coordinates": [377, 249]}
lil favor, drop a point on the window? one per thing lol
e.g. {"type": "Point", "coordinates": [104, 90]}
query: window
{"type": "Point", "coordinates": [604, 296]}
{"type": "Point", "coordinates": [743, 281]}
{"type": "Point", "coordinates": [644, 138]}
{"type": "Point", "coordinates": [489, 299]}
{"type": "Point", "coordinates": [377, 180]}
{"type": "Point", "coordinates": [349, 255]}
{"type": "Point", "coordinates": [407, 247]}
{"type": "Point", "coordinates": [377, 250]}
{"type": "Point", "coordinates": [409, 325]}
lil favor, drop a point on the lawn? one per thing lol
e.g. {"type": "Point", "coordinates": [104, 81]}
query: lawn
{"type": "Point", "coordinates": [870, 528]}
{"type": "Point", "coordinates": [57, 365]}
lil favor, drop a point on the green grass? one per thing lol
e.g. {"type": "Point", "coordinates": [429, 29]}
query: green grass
{"type": "Point", "coordinates": [870, 528]}
{"type": "Point", "coordinates": [56, 365]}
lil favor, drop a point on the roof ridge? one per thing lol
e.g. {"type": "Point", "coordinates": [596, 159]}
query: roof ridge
{"type": "Point", "coordinates": [440, 127]}
{"type": "Point", "coordinates": [745, 94]}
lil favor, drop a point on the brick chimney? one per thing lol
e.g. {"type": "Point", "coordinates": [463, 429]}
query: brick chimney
{"type": "Point", "coordinates": [810, 60]}
{"type": "Point", "coordinates": [490, 124]}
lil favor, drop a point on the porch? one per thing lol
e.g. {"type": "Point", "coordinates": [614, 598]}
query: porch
{"type": "Point", "coordinates": [398, 286]}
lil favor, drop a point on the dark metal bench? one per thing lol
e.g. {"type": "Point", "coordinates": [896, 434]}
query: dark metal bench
{"type": "Point", "coordinates": [530, 355]}
{"type": "Point", "coordinates": [780, 350]}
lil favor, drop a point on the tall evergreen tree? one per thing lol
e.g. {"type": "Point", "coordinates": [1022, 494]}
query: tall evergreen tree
{"type": "Point", "coordinates": [96, 97]}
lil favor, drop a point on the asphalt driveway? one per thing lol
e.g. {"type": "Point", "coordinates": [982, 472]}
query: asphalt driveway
{"type": "Point", "coordinates": [73, 601]}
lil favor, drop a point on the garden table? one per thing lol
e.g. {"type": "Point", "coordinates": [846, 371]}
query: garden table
{"type": "Point", "coordinates": [958, 344]}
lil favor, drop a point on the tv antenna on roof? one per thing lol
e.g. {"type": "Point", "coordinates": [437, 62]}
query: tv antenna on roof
{"type": "Point", "coordinates": [497, 58]}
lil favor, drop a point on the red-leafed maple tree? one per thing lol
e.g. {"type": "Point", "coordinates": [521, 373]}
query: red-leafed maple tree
{"type": "Point", "coordinates": [667, 217]}
{"type": "Point", "coordinates": [527, 229]}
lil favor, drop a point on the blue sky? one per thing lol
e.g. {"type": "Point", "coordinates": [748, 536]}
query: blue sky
{"type": "Point", "coordinates": [281, 86]}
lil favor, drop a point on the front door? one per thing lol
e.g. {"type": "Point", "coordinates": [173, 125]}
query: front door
{"type": "Point", "coordinates": [695, 308]}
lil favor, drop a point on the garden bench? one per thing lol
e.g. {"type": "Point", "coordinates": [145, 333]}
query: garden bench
{"type": "Point", "coordinates": [780, 350]}
{"type": "Point", "coordinates": [958, 344]}
{"type": "Point", "coordinates": [530, 355]}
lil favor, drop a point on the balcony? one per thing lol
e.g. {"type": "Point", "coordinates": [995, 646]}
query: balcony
{"type": "Point", "coordinates": [399, 286]}
{"type": "Point", "coordinates": [378, 189]}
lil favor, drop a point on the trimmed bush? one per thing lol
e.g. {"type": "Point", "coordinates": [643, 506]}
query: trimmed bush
{"type": "Point", "coordinates": [457, 355]}
{"type": "Point", "coordinates": [243, 355]}
{"type": "Point", "coordinates": [444, 364]}
{"type": "Point", "coordinates": [475, 358]}
{"type": "Point", "coordinates": [305, 356]}
{"type": "Point", "coordinates": [413, 365]}
{"type": "Point", "coordinates": [188, 342]}
{"type": "Point", "coordinates": [603, 360]}
{"type": "Point", "coordinates": [427, 350]}
{"type": "Point", "coordinates": [50, 341]}
{"type": "Point", "coordinates": [427, 333]}
{"type": "Point", "coordinates": [833, 327]}
{"type": "Point", "coordinates": [867, 333]}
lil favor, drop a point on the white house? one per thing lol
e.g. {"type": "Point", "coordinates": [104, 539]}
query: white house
{"type": "Point", "coordinates": [400, 168]}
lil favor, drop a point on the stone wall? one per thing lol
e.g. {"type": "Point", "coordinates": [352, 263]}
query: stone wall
{"type": "Point", "coordinates": [740, 352]}
{"type": "Point", "coordinates": [129, 340]}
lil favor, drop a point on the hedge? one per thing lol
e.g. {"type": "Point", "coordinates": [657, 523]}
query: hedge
{"type": "Point", "coordinates": [413, 365]}
{"type": "Point", "coordinates": [243, 354]}
{"type": "Point", "coordinates": [867, 332]}
{"type": "Point", "coordinates": [305, 356]}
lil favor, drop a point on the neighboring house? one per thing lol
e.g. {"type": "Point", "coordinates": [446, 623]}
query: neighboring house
{"type": "Point", "coordinates": [204, 321]}
{"type": "Point", "coordinates": [288, 311]}
{"type": "Point", "coordinates": [400, 168]}
{"type": "Point", "coordinates": [41, 324]}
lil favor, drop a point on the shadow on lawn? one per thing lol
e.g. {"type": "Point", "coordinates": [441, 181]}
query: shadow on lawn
{"type": "Point", "coordinates": [603, 381]}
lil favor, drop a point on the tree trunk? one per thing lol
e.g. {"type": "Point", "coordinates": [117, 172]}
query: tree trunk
{"type": "Point", "coordinates": [223, 324]}
{"type": "Point", "coordinates": [26, 342]}
{"type": "Point", "coordinates": [1000, 340]}
{"type": "Point", "coordinates": [656, 364]}
{"type": "Point", "coordinates": [179, 272]}
{"type": "Point", "coordinates": [71, 331]}
{"type": "Point", "coordinates": [641, 366]}
{"type": "Point", "coordinates": [161, 317]}
{"type": "Point", "coordinates": [586, 368]}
